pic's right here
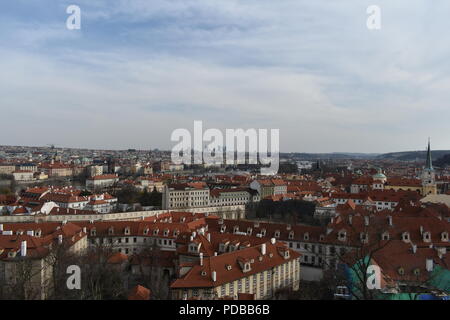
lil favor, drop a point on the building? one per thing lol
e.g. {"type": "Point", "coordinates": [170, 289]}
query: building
{"type": "Point", "coordinates": [23, 175]}
{"type": "Point", "coordinates": [233, 196]}
{"type": "Point", "coordinates": [269, 187]}
{"type": "Point", "coordinates": [185, 195]}
{"type": "Point", "coordinates": [56, 169]}
{"type": "Point", "coordinates": [428, 175]}
{"type": "Point", "coordinates": [257, 270]}
{"type": "Point", "coordinates": [26, 263]}
{"type": "Point", "coordinates": [101, 181]}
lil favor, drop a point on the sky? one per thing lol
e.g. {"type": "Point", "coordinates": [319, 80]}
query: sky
{"type": "Point", "coordinates": [137, 70]}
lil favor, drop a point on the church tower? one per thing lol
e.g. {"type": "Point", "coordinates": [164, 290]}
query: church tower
{"type": "Point", "coordinates": [428, 175]}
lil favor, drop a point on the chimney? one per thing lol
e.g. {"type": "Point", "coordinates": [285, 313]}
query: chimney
{"type": "Point", "coordinates": [421, 230]}
{"type": "Point", "coordinates": [366, 221]}
{"type": "Point", "coordinates": [263, 249]}
{"type": "Point", "coordinates": [429, 265]}
{"type": "Point", "coordinates": [60, 239]}
{"type": "Point", "coordinates": [23, 248]}
{"type": "Point", "coordinates": [1, 226]}
{"type": "Point", "coordinates": [201, 258]}
{"type": "Point", "coordinates": [208, 236]}
{"type": "Point", "coordinates": [414, 248]}
{"type": "Point", "coordinates": [273, 240]}
{"type": "Point", "coordinates": [350, 219]}
{"type": "Point", "coordinates": [84, 229]}
{"type": "Point", "coordinates": [390, 220]}
{"type": "Point", "coordinates": [30, 233]}
{"type": "Point", "coordinates": [215, 254]}
{"type": "Point", "coordinates": [214, 276]}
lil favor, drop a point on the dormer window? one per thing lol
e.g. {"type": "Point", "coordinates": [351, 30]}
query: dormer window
{"type": "Point", "coordinates": [146, 230]}
{"type": "Point", "coordinates": [321, 237]}
{"type": "Point", "coordinates": [306, 236]}
{"type": "Point", "coordinates": [263, 232]}
{"type": "Point", "coordinates": [277, 233]}
{"type": "Point", "coordinates": [427, 236]}
{"type": "Point", "coordinates": [111, 231]}
{"type": "Point", "coordinates": [249, 231]}
{"type": "Point", "coordinates": [363, 236]}
{"type": "Point", "coordinates": [444, 236]}
{"type": "Point", "coordinates": [236, 229]}
{"type": "Point", "coordinates": [193, 248]}
{"type": "Point", "coordinates": [401, 271]}
{"type": "Point", "coordinates": [203, 273]}
{"type": "Point", "coordinates": [223, 247]}
{"type": "Point", "coordinates": [416, 271]}
{"type": "Point", "coordinates": [93, 232]}
{"type": "Point", "coordinates": [155, 232]}
{"type": "Point", "coordinates": [342, 235]}
{"type": "Point", "coordinates": [223, 228]}
{"type": "Point", "coordinates": [166, 233]}
{"type": "Point", "coordinates": [176, 233]}
{"type": "Point", "coordinates": [228, 266]}
{"type": "Point", "coordinates": [246, 266]}
{"type": "Point", "coordinates": [38, 233]}
{"type": "Point", "coordinates": [405, 236]}
{"type": "Point", "coordinates": [127, 230]}
{"type": "Point", "coordinates": [385, 236]}
{"type": "Point", "coordinates": [291, 235]}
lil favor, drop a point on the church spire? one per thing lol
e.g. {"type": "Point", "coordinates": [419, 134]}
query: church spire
{"type": "Point", "coordinates": [429, 163]}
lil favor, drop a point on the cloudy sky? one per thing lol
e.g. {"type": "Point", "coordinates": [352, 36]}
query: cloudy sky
{"type": "Point", "coordinates": [138, 69]}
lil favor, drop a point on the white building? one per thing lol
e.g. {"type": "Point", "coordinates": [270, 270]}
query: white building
{"type": "Point", "coordinates": [185, 195]}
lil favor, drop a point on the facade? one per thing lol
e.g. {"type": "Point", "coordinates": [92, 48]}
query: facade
{"type": "Point", "coordinates": [233, 196]}
{"type": "Point", "coordinates": [26, 267]}
{"type": "Point", "coordinates": [101, 181]}
{"type": "Point", "coordinates": [23, 175]}
{"type": "Point", "coordinates": [269, 187]}
{"type": "Point", "coordinates": [185, 195]}
{"type": "Point", "coordinates": [56, 169]}
{"type": "Point", "coordinates": [259, 271]}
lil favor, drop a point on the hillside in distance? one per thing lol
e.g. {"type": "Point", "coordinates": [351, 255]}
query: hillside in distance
{"type": "Point", "coordinates": [412, 155]}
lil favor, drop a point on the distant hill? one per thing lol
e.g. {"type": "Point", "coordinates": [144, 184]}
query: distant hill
{"type": "Point", "coordinates": [443, 161]}
{"type": "Point", "coordinates": [412, 155]}
{"type": "Point", "coordinates": [332, 155]}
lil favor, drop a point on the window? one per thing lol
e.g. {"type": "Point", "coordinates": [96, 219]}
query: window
{"type": "Point", "coordinates": [405, 236]}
